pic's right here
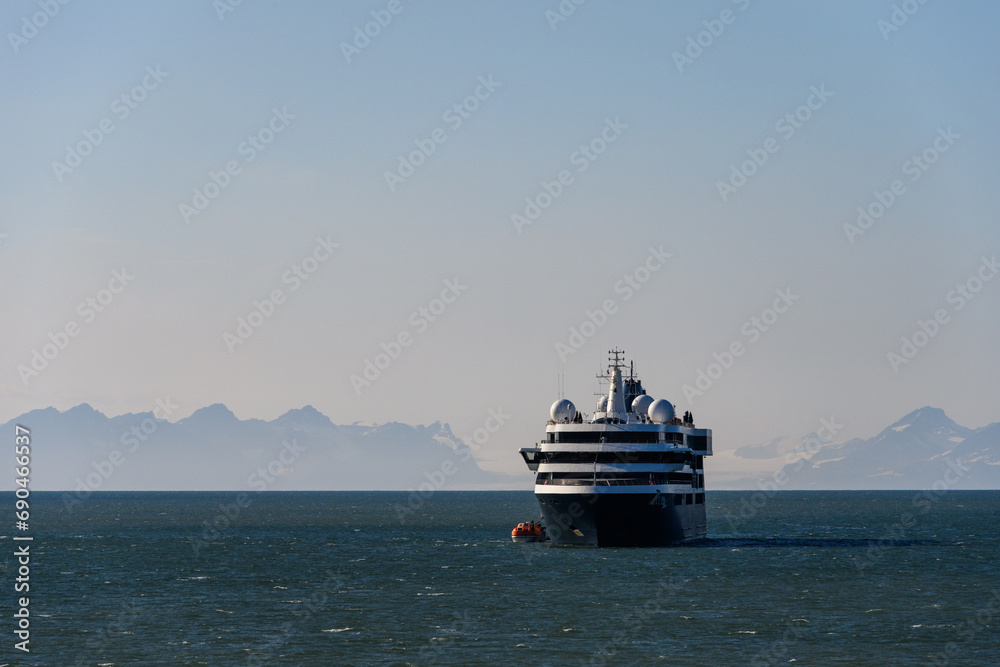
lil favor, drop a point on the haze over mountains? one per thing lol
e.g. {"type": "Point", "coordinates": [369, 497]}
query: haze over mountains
{"type": "Point", "coordinates": [83, 450]}
{"type": "Point", "coordinates": [920, 450]}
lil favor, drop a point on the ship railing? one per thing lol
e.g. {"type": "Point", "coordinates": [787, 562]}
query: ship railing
{"type": "Point", "coordinates": [636, 481]}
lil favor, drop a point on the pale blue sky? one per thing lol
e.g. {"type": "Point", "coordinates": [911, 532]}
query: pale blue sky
{"type": "Point", "coordinates": [655, 185]}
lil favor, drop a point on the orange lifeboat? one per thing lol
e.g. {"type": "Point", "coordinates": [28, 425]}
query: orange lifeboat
{"type": "Point", "coordinates": [528, 531]}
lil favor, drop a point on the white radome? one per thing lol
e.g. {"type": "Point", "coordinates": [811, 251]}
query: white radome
{"type": "Point", "coordinates": [661, 411]}
{"type": "Point", "coordinates": [640, 404]}
{"type": "Point", "coordinates": [563, 411]}
{"type": "Point", "coordinates": [602, 404]}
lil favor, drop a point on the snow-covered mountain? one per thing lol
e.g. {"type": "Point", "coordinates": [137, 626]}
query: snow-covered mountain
{"type": "Point", "coordinates": [83, 450]}
{"type": "Point", "coordinates": [920, 450]}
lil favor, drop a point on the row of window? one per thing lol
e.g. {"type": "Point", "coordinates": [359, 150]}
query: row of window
{"type": "Point", "coordinates": [615, 436]}
{"type": "Point", "coordinates": [617, 457]}
{"type": "Point", "coordinates": [612, 478]}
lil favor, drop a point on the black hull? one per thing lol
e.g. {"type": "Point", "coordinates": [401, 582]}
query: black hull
{"type": "Point", "coordinates": [621, 519]}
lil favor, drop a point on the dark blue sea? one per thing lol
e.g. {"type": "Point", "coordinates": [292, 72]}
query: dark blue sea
{"type": "Point", "coordinates": [359, 578]}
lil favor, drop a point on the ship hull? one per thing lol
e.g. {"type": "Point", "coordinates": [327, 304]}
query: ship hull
{"type": "Point", "coordinates": [621, 519]}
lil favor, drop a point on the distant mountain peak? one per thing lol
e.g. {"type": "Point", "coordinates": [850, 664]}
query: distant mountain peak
{"type": "Point", "coordinates": [215, 411]}
{"type": "Point", "coordinates": [911, 453]}
{"type": "Point", "coordinates": [390, 427]}
{"type": "Point", "coordinates": [306, 415]}
{"type": "Point", "coordinates": [229, 451]}
{"type": "Point", "coordinates": [304, 411]}
{"type": "Point", "coordinates": [83, 414]}
{"type": "Point", "coordinates": [925, 420]}
{"type": "Point", "coordinates": [924, 415]}
{"type": "Point", "coordinates": [438, 427]}
{"type": "Point", "coordinates": [82, 409]}
{"type": "Point", "coordinates": [441, 431]}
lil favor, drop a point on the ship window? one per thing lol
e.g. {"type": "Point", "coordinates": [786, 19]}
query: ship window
{"type": "Point", "coordinates": [679, 478]}
{"type": "Point", "coordinates": [607, 436]}
{"type": "Point", "coordinates": [678, 499]}
{"type": "Point", "coordinates": [616, 457]}
{"type": "Point", "coordinates": [699, 498]}
{"type": "Point", "coordinates": [612, 479]}
{"type": "Point", "coordinates": [690, 499]}
{"type": "Point", "coordinates": [700, 442]}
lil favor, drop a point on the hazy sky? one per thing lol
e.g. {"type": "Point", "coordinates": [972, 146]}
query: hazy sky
{"type": "Point", "coordinates": [174, 162]}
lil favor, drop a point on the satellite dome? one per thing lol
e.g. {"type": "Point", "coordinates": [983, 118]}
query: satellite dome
{"type": "Point", "coordinates": [661, 411]}
{"type": "Point", "coordinates": [602, 404]}
{"type": "Point", "coordinates": [640, 404]}
{"type": "Point", "coordinates": [563, 411]}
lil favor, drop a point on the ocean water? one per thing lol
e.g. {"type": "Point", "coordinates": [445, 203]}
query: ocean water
{"type": "Point", "coordinates": [352, 578]}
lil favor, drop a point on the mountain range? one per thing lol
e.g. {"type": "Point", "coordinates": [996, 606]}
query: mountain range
{"type": "Point", "coordinates": [83, 450]}
{"type": "Point", "coordinates": [923, 450]}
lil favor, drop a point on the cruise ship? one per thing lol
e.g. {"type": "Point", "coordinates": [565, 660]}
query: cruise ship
{"type": "Point", "coordinates": [631, 474]}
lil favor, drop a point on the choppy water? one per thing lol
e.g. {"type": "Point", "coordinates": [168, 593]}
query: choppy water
{"type": "Point", "coordinates": [822, 578]}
